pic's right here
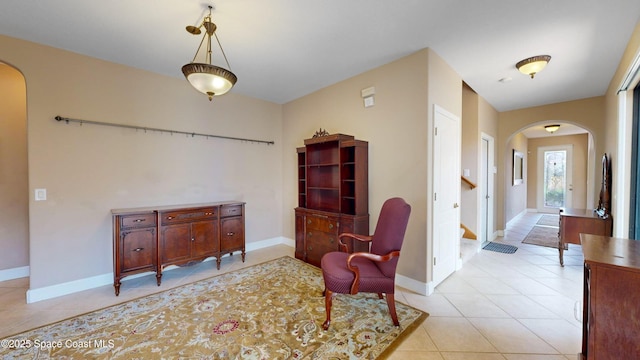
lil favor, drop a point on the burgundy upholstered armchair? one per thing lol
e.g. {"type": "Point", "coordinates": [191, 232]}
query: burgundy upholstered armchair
{"type": "Point", "coordinates": [372, 272]}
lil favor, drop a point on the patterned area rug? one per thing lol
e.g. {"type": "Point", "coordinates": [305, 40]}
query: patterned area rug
{"type": "Point", "coordinates": [549, 220]}
{"type": "Point", "coordinates": [543, 236]}
{"type": "Point", "coordinates": [273, 310]}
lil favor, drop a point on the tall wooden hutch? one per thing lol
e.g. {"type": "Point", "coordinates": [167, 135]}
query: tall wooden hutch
{"type": "Point", "coordinates": [333, 194]}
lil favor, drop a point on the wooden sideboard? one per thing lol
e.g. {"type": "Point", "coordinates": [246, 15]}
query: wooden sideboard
{"type": "Point", "coordinates": [573, 222]}
{"type": "Point", "coordinates": [611, 307]}
{"type": "Point", "coordinates": [150, 238]}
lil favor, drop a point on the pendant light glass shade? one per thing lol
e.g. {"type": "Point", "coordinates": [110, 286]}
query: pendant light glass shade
{"type": "Point", "coordinates": [533, 65]}
{"type": "Point", "coordinates": [205, 77]}
{"type": "Point", "coordinates": [209, 79]}
{"type": "Point", "coordinates": [552, 128]}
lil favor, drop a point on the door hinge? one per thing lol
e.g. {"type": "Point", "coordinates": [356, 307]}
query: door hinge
{"type": "Point", "coordinates": [436, 131]}
{"type": "Point", "coordinates": [434, 261]}
{"type": "Point", "coordinates": [435, 196]}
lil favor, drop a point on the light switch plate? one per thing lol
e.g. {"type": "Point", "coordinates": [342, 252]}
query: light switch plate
{"type": "Point", "coordinates": [41, 194]}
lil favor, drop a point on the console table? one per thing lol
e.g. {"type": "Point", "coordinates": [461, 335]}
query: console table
{"type": "Point", "coordinates": [611, 307]}
{"type": "Point", "coordinates": [150, 238]}
{"type": "Point", "coordinates": [576, 221]}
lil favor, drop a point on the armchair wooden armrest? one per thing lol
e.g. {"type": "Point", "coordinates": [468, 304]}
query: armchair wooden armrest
{"type": "Point", "coordinates": [344, 247]}
{"type": "Point", "coordinates": [372, 257]}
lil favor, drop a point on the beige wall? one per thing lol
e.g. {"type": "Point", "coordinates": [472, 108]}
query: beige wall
{"type": "Point", "coordinates": [586, 113]}
{"type": "Point", "coordinates": [469, 201]}
{"type": "Point", "coordinates": [397, 129]}
{"type": "Point", "coordinates": [580, 144]}
{"type": "Point", "coordinates": [488, 125]}
{"type": "Point", "coordinates": [479, 119]}
{"type": "Point", "coordinates": [515, 195]}
{"type": "Point", "coordinates": [88, 170]}
{"type": "Point", "coordinates": [14, 207]}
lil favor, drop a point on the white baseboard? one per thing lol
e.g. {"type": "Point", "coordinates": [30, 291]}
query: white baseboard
{"type": "Point", "coordinates": [49, 292]}
{"type": "Point", "coordinates": [517, 217]}
{"type": "Point", "coordinates": [414, 285]}
{"type": "Point", "coordinates": [52, 291]}
{"type": "Point", "coordinates": [14, 273]}
{"type": "Point", "coordinates": [280, 240]}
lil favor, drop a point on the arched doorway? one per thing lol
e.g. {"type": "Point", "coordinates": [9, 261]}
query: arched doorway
{"type": "Point", "coordinates": [14, 181]}
{"type": "Point", "coordinates": [534, 140]}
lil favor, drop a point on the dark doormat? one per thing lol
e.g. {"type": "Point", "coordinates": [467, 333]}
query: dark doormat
{"type": "Point", "coordinates": [501, 248]}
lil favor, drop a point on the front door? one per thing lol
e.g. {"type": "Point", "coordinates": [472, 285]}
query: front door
{"type": "Point", "coordinates": [446, 208]}
{"type": "Point", "coordinates": [555, 187]}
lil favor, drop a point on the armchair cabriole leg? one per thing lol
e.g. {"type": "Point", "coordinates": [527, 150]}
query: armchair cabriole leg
{"type": "Point", "coordinates": [392, 309]}
{"type": "Point", "coordinates": [328, 299]}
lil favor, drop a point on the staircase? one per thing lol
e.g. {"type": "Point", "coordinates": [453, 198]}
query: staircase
{"type": "Point", "coordinates": [469, 244]}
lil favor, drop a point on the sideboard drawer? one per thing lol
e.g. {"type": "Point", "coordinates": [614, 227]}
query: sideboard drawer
{"type": "Point", "coordinates": [171, 217]}
{"type": "Point", "coordinates": [138, 220]}
{"type": "Point", "coordinates": [231, 210]}
{"type": "Point", "coordinates": [324, 224]}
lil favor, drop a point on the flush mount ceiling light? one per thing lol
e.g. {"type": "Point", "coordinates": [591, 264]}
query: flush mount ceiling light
{"type": "Point", "coordinates": [204, 76]}
{"type": "Point", "coordinates": [533, 65]}
{"type": "Point", "coordinates": [551, 128]}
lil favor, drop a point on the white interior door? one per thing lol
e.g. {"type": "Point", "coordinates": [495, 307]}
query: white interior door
{"type": "Point", "coordinates": [446, 207]}
{"type": "Point", "coordinates": [555, 178]}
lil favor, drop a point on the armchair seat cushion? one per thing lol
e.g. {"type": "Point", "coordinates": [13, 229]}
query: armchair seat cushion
{"type": "Point", "coordinates": [338, 278]}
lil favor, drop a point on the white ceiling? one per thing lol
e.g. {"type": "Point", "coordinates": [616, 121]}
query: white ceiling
{"type": "Point", "coordinates": [284, 49]}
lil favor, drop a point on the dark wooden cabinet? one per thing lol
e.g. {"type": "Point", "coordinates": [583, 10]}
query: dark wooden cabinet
{"type": "Point", "coordinates": [573, 222]}
{"type": "Point", "coordinates": [151, 238]}
{"type": "Point", "coordinates": [611, 307]}
{"type": "Point", "coordinates": [333, 194]}
{"type": "Point", "coordinates": [232, 230]}
{"type": "Point", "coordinates": [188, 235]}
{"type": "Point", "coordinates": [134, 245]}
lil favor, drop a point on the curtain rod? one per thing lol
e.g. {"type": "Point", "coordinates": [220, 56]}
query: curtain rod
{"type": "Point", "coordinates": [192, 134]}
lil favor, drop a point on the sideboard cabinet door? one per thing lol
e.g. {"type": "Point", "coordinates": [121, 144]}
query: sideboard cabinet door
{"type": "Point", "coordinates": [134, 245]}
{"type": "Point", "coordinates": [232, 230]}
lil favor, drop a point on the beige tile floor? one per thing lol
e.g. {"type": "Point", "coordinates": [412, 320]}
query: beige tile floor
{"type": "Point", "coordinates": [498, 306]}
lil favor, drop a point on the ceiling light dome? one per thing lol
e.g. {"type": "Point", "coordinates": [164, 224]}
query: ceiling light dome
{"type": "Point", "coordinates": [552, 128]}
{"type": "Point", "coordinates": [533, 65]}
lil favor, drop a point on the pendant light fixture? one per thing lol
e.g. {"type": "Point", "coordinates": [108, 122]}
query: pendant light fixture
{"type": "Point", "coordinates": [207, 78]}
{"type": "Point", "coordinates": [533, 65]}
{"type": "Point", "coordinates": [551, 128]}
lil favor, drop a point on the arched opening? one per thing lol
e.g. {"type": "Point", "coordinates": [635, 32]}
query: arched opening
{"type": "Point", "coordinates": [533, 141]}
{"type": "Point", "coordinates": [14, 180]}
